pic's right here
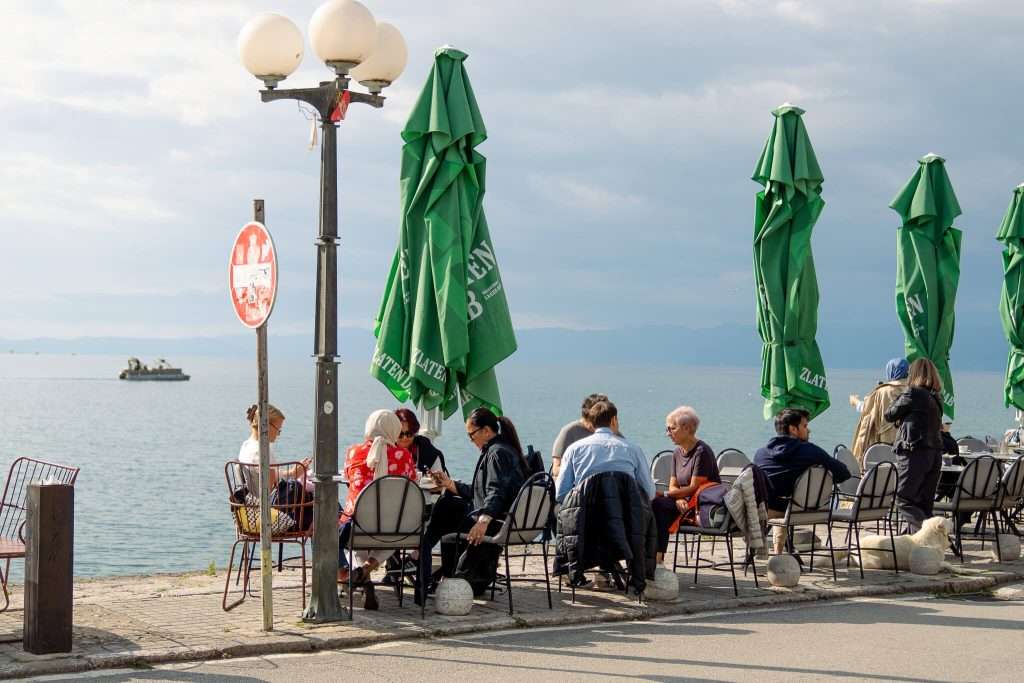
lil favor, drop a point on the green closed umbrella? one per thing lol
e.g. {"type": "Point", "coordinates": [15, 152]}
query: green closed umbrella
{"type": "Point", "coordinates": [792, 373]}
{"type": "Point", "coordinates": [443, 324]}
{"type": "Point", "coordinates": [1011, 301]}
{"type": "Point", "coordinates": [928, 267]}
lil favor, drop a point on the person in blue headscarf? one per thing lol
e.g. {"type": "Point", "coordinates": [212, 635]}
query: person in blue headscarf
{"type": "Point", "coordinates": [872, 427]}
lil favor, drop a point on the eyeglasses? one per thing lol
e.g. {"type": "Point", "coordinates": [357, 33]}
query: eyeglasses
{"type": "Point", "coordinates": [404, 435]}
{"type": "Point", "coordinates": [472, 433]}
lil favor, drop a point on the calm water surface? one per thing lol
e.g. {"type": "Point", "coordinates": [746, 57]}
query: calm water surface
{"type": "Point", "coordinates": [151, 494]}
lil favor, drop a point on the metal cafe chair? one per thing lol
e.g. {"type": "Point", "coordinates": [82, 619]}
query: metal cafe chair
{"type": "Point", "coordinates": [661, 470]}
{"type": "Point", "coordinates": [810, 505]}
{"type": "Point", "coordinates": [390, 514]}
{"type": "Point", "coordinates": [290, 522]}
{"type": "Point", "coordinates": [726, 530]}
{"type": "Point", "coordinates": [1011, 493]}
{"type": "Point", "coordinates": [23, 472]}
{"type": "Point", "coordinates": [844, 455]}
{"type": "Point", "coordinates": [879, 452]}
{"type": "Point", "coordinates": [524, 526]}
{"type": "Point", "coordinates": [872, 502]}
{"type": "Point", "coordinates": [977, 490]}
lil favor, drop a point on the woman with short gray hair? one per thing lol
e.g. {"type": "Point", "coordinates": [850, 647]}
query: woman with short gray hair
{"type": "Point", "coordinates": [693, 467]}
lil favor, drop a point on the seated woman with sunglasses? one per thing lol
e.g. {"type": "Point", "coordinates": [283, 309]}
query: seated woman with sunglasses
{"type": "Point", "coordinates": [478, 509]}
{"type": "Point", "coordinates": [425, 454]}
{"type": "Point", "coordinates": [377, 456]}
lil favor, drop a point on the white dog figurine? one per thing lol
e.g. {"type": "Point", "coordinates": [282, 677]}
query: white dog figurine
{"type": "Point", "coordinates": [877, 550]}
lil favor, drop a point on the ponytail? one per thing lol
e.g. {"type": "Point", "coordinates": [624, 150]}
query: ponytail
{"type": "Point", "coordinates": [252, 414]}
{"type": "Point", "coordinates": [509, 435]}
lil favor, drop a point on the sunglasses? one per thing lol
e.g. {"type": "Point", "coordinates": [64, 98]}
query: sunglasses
{"type": "Point", "coordinates": [405, 435]}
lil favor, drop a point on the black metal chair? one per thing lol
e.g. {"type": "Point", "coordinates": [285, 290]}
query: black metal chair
{"type": "Point", "coordinates": [727, 530]}
{"type": "Point", "coordinates": [873, 501]}
{"type": "Point", "coordinates": [661, 470]}
{"type": "Point", "coordinates": [389, 514]}
{"type": "Point", "coordinates": [810, 505]}
{"type": "Point", "coordinates": [525, 525]}
{"type": "Point", "coordinates": [1011, 494]}
{"type": "Point", "coordinates": [977, 490]}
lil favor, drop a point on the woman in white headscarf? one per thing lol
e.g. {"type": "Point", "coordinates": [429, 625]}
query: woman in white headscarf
{"type": "Point", "coordinates": [377, 456]}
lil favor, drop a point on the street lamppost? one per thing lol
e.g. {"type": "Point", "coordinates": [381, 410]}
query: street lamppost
{"type": "Point", "coordinates": [347, 38]}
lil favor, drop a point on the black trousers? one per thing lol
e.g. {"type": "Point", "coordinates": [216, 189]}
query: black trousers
{"type": "Point", "coordinates": [919, 478]}
{"type": "Point", "coordinates": [665, 515]}
{"type": "Point", "coordinates": [477, 564]}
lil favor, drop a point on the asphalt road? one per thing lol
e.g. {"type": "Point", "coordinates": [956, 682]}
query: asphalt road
{"type": "Point", "coordinates": [914, 639]}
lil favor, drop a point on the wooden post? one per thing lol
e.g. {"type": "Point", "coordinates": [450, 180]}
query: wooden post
{"type": "Point", "coordinates": [266, 559]}
{"type": "Point", "coordinates": [49, 568]}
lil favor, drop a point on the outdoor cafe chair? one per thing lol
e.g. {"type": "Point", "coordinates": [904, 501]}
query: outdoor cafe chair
{"type": "Point", "coordinates": [726, 530]}
{"type": "Point", "coordinates": [873, 501]}
{"type": "Point", "coordinates": [1011, 493]}
{"type": "Point", "coordinates": [290, 522]}
{"type": "Point", "coordinates": [662, 470]}
{"type": "Point", "coordinates": [879, 452]}
{"type": "Point", "coordinates": [524, 526]}
{"type": "Point", "coordinates": [23, 472]}
{"type": "Point", "coordinates": [847, 489]}
{"type": "Point", "coordinates": [390, 514]}
{"type": "Point", "coordinates": [732, 458]}
{"type": "Point", "coordinates": [973, 445]}
{"type": "Point", "coordinates": [977, 490]}
{"type": "Point", "coordinates": [810, 505]}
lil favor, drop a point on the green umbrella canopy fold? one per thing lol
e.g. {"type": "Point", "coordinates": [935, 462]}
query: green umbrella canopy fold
{"type": "Point", "coordinates": [792, 372]}
{"type": "Point", "coordinates": [443, 324]}
{"type": "Point", "coordinates": [1011, 301]}
{"type": "Point", "coordinates": [928, 267]}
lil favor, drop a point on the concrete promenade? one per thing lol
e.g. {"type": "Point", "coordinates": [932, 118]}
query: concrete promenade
{"type": "Point", "coordinates": [137, 621]}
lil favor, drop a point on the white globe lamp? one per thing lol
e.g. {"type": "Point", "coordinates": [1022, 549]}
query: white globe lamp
{"type": "Point", "coordinates": [386, 62]}
{"type": "Point", "coordinates": [270, 47]}
{"type": "Point", "coordinates": [343, 34]}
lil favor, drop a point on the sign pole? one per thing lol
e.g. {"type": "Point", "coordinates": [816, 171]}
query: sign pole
{"type": "Point", "coordinates": [252, 286]}
{"type": "Point", "coordinates": [266, 563]}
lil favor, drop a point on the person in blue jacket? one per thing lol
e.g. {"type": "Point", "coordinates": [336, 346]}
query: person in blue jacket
{"type": "Point", "coordinates": [785, 458]}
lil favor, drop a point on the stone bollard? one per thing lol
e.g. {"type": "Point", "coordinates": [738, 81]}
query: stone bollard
{"type": "Point", "coordinates": [783, 571]}
{"type": "Point", "coordinates": [925, 561]}
{"type": "Point", "coordinates": [1006, 548]}
{"type": "Point", "coordinates": [49, 575]}
{"type": "Point", "coordinates": [664, 587]}
{"type": "Point", "coordinates": [454, 597]}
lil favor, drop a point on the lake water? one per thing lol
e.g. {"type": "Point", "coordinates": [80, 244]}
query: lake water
{"type": "Point", "coordinates": [151, 495]}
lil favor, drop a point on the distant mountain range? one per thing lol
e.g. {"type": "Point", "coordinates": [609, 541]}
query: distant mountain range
{"type": "Point", "coordinates": [979, 345]}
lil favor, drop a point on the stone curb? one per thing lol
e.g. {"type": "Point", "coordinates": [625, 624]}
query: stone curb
{"type": "Point", "coordinates": [294, 643]}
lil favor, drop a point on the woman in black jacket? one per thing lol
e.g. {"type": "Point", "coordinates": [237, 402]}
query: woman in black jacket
{"type": "Point", "coordinates": [917, 412]}
{"type": "Point", "coordinates": [478, 509]}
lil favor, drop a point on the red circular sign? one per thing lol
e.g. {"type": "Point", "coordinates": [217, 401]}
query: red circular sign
{"type": "Point", "coordinates": [252, 274]}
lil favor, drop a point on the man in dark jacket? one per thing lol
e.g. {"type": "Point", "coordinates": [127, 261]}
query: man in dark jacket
{"type": "Point", "coordinates": [785, 458]}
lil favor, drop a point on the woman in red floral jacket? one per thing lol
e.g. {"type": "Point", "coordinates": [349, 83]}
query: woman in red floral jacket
{"type": "Point", "coordinates": [378, 455]}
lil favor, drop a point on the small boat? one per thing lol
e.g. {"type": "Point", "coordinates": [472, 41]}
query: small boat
{"type": "Point", "coordinates": [162, 372]}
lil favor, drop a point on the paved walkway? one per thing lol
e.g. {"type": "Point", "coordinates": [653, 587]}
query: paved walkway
{"type": "Point", "coordinates": [133, 621]}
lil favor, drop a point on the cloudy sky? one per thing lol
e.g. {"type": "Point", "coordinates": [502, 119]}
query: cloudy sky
{"type": "Point", "coordinates": [622, 139]}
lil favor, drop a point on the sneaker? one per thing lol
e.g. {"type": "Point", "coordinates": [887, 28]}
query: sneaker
{"type": "Point", "coordinates": [602, 581]}
{"type": "Point", "coordinates": [580, 581]}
